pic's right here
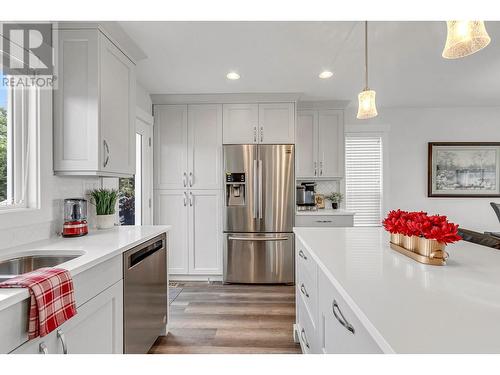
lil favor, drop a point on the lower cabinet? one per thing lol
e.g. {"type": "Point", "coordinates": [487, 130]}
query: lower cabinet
{"type": "Point", "coordinates": [195, 241]}
{"type": "Point", "coordinates": [325, 323]}
{"type": "Point", "coordinates": [97, 328]}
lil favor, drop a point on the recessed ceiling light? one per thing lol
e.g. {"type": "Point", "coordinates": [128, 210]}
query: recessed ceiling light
{"type": "Point", "coordinates": [325, 74]}
{"type": "Point", "coordinates": [232, 76]}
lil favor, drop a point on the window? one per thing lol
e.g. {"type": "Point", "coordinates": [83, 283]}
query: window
{"type": "Point", "coordinates": [18, 152]}
{"type": "Point", "coordinates": [363, 161]}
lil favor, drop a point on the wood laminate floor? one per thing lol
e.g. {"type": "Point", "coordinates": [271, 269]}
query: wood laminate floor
{"type": "Point", "coordinates": [228, 319]}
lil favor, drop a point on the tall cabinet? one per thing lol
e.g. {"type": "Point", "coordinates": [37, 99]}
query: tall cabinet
{"type": "Point", "coordinates": [320, 144]}
{"type": "Point", "coordinates": [188, 175]}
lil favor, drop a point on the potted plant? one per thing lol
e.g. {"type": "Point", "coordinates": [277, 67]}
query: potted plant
{"type": "Point", "coordinates": [104, 201]}
{"type": "Point", "coordinates": [336, 199]}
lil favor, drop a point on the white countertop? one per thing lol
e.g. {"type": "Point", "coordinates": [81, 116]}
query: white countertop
{"type": "Point", "coordinates": [326, 212]}
{"type": "Point", "coordinates": [96, 247]}
{"type": "Point", "coordinates": [410, 307]}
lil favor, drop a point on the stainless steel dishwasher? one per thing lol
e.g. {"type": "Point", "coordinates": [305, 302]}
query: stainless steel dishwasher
{"type": "Point", "coordinates": [145, 295]}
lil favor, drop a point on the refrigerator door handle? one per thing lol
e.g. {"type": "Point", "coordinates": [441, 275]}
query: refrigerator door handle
{"type": "Point", "coordinates": [235, 238]}
{"type": "Point", "coordinates": [255, 189]}
{"type": "Point", "coordinates": [260, 189]}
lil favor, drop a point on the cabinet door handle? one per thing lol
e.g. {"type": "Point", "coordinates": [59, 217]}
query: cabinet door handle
{"type": "Point", "coordinates": [185, 199]}
{"type": "Point", "coordinates": [315, 168]}
{"type": "Point", "coordinates": [304, 291]}
{"type": "Point", "coordinates": [342, 320]}
{"type": "Point", "coordinates": [304, 337]}
{"type": "Point", "coordinates": [184, 179]}
{"type": "Point", "coordinates": [261, 134]}
{"type": "Point", "coordinates": [302, 255]}
{"type": "Point", "coordinates": [191, 178]}
{"type": "Point", "coordinates": [42, 348]}
{"type": "Point", "coordinates": [323, 221]}
{"type": "Point", "coordinates": [191, 199]}
{"type": "Point", "coordinates": [106, 153]}
{"type": "Point", "coordinates": [321, 168]}
{"type": "Point", "coordinates": [255, 134]}
{"type": "Point", "coordinates": [60, 336]}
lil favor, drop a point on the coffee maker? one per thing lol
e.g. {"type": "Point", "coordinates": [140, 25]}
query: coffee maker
{"type": "Point", "coordinates": [305, 196]}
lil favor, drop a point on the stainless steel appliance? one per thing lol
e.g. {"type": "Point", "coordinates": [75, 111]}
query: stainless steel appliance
{"type": "Point", "coordinates": [145, 295]}
{"type": "Point", "coordinates": [305, 194]}
{"type": "Point", "coordinates": [259, 214]}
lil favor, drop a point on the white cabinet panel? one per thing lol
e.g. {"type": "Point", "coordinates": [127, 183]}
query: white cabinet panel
{"type": "Point", "coordinates": [205, 232]}
{"type": "Point", "coordinates": [117, 116]}
{"type": "Point", "coordinates": [98, 326]}
{"type": "Point", "coordinates": [277, 123]}
{"type": "Point", "coordinates": [171, 209]}
{"type": "Point", "coordinates": [335, 337]}
{"type": "Point", "coordinates": [204, 146]}
{"type": "Point", "coordinates": [240, 123]}
{"type": "Point", "coordinates": [171, 137]}
{"type": "Point", "coordinates": [330, 144]}
{"type": "Point", "coordinates": [94, 106]}
{"type": "Point", "coordinates": [306, 143]}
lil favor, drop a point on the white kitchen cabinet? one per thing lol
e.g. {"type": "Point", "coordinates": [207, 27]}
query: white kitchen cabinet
{"type": "Point", "coordinates": [171, 207]}
{"type": "Point", "coordinates": [205, 232]}
{"type": "Point", "coordinates": [188, 146]}
{"type": "Point", "coordinates": [241, 123]}
{"type": "Point", "coordinates": [195, 241]}
{"type": "Point", "coordinates": [320, 144]}
{"type": "Point", "coordinates": [94, 106]}
{"type": "Point", "coordinates": [264, 123]}
{"type": "Point", "coordinates": [170, 151]}
{"type": "Point", "coordinates": [97, 328]}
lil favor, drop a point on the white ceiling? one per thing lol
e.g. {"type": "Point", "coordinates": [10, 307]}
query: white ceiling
{"type": "Point", "coordinates": [405, 67]}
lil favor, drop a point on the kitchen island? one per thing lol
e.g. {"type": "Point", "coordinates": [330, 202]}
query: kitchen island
{"type": "Point", "coordinates": [356, 295]}
{"type": "Point", "coordinates": [97, 272]}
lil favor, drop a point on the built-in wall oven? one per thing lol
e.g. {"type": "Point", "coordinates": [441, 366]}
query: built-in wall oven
{"type": "Point", "coordinates": [145, 295]}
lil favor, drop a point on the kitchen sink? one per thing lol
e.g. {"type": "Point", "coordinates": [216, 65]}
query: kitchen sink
{"type": "Point", "coordinates": [20, 265]}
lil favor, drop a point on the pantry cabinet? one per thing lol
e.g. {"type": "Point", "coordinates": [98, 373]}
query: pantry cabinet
{"type": "Point", "coordinates": [195, 241]}
{"type": "Point", "coordinates": [94, 106]}
{"type": "Point", "coordinates": [320, 144]}
{"type": "Point", "coordinates": [262, 123]}
{"type": "Point", "coordinates": [188, 146]}
{"type": "Point", "coordinates": [96, 328]}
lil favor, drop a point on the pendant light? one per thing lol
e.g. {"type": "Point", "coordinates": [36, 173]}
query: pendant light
{"type": "Point", "coordinates": [465, 38]}
{"type": "Point", "coordinates": [367, 107]}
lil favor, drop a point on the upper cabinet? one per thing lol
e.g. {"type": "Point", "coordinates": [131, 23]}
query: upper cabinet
{"type": "Point", "coordinates": [94, 106]}
{"type": "Point", "coordinates": [188, 146]}
{"type": "Point", "coordinates": [264, 123]}
{"type": "Point", "coordinates": [320, 144]}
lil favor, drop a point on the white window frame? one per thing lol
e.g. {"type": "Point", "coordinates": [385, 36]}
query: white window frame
{"type": "Point", "coordinates": [382, 131]}
{"type": "Point", "coordinates": [23, 123]}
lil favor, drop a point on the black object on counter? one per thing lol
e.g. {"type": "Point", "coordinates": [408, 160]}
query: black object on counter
{"type": "Point", "coordinates": [484, 239]}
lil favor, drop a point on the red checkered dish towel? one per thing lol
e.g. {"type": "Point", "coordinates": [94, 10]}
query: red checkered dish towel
{"type": "Point", "coordinates": [52, 298]}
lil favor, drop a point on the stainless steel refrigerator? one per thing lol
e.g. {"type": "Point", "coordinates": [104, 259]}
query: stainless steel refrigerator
{"type": "Point", "coordinates": [259, 214]}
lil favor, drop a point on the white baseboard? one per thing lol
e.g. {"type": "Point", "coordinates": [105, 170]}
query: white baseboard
{"type": "Point", "coordinates": [195, 277]}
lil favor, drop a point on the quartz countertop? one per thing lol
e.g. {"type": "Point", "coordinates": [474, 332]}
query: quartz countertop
{"type": "Point", "coordinates": [96, 247]}
{"type": "Point", "coordinates": [410, 307]}
{"type": "Point", "coordinates": [326, 212]}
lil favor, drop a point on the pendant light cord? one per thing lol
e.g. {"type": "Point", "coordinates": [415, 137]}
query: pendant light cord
{"type": "Point", "coordinates": [366, 55]}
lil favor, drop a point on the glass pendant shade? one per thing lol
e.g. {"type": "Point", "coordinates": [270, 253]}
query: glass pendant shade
{"type": "Point", "coordinates": [367, 107]}
{"type": "Point", "coordinates": [465, 38]}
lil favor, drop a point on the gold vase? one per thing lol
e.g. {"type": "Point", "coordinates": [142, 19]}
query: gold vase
{"type": "Point", "coordinates": [410, 242]}
{"type": "Point", "coordinates": [397, 239]}
{"type": "Point", "coordinates": [431, 248]}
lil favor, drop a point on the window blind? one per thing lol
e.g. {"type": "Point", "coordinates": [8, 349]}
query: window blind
{"type": "Point", "coordinates": [364, 178]}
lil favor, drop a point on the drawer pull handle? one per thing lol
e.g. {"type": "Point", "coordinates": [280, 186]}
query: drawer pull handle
{"type": "Point", "coordinates": [60, 336]}
{"type": "Point", "coordinates": [304, 291]}
{"type": "Point", "coordinates": [323, 221]}
{"type": "Point", "coordinates": [302, 255]}
{"type": "Point", "coordinates": [342, 320]}
{"type": "Point", "coordinates": [304, 338]}
{"type": "Point", "coordinates": [42, 349]}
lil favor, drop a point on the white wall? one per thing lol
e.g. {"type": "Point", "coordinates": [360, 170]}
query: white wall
{"type": "Point", "coordinates": [143, 99]}
{"type": "Point", "coordinates": [410, 130]}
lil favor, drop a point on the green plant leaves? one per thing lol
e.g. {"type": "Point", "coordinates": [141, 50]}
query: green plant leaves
{"type": "Point", "coordinates": [104, 200]}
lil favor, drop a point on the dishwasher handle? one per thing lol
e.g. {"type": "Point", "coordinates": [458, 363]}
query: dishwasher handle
{"type": "Point", "coordinates": [141, 254]}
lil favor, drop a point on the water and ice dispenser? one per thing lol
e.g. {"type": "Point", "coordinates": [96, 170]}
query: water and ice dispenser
{"type": "Point", "coordinates": [235, 189]}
